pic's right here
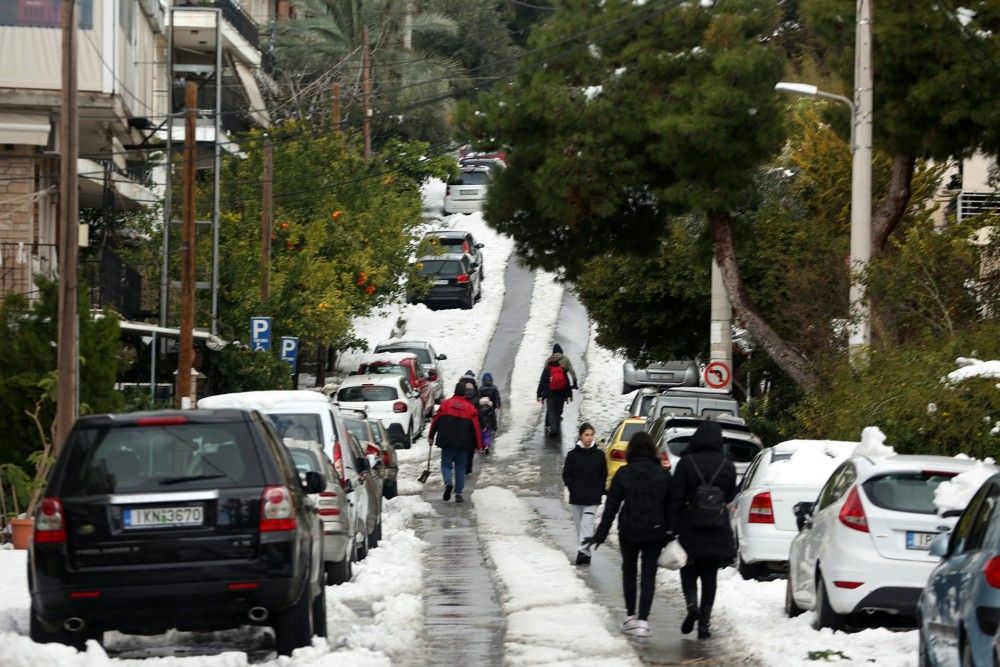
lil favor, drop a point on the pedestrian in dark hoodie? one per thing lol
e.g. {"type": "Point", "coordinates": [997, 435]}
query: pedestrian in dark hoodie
{"type": "Point", "coordinates": [643, 485]}
{"type": "Point", "coordinates": [455, 429]}
{"type": "Point", "coordinates": [704, 482]}
{"type": "Point", "coordinates": [585, 471]}
{"type": "Point", "coordinates": [490, 391]}
{"type": "Point", "coordinates": [555, 387]}
{"type": "Point", "coordinates": [470, 379]}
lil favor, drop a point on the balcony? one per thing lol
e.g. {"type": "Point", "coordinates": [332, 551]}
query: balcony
{"type": "Point", "coordinates": [239, 30]}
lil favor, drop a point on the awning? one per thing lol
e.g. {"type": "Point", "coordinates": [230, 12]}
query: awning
{"type": "Point", "coordinates": [257, 106]}
{"type": "Point", "coordinates": [23, 128]}
{"type": "Point", "coordinates": [142, 328]}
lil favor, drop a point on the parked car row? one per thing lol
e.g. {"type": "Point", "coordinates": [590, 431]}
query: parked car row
{"type": "Point", "coordinates": [238, 513]}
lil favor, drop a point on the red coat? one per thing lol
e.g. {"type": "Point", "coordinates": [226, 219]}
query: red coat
{"type": "Point", "coordinates": [456, 424]}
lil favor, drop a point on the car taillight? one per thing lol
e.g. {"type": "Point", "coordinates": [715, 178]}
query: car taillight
{"type": "Point", "coordinates": [761, 510]}
{"type": "Point", "coordinates": [50, 522]}
{"type": "Point", "coordinates": [852, 514]}
{"type": "Point", "coordinates": [992, 572]}
{"type": "Point", "coordinates": [338, 463]}
{"type": "Point", "coordinates": [400, 406]}
{"type": "Point", "coordinates": [329, 511]}
{"type": "Point", "coordinates": [162, 421]}
{"type": "Point", "coordinates": [617, 454]}
{"type": "Point", "coordinates": [462, 278]}
{"type": "Point", "coordinates": [277, 510]}
{"type": "Point", "coordinates": [849, 585]}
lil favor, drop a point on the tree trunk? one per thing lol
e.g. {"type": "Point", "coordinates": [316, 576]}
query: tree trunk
{"type": "Point", "coordinates": [892, 208]}
{"type": "Point", "coordinates": [791, 361]}
{"type": "Point", "coordinates": [320, 365]}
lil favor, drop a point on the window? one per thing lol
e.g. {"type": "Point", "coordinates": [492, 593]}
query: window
{"type": "Point", "coordinates": [439, 267]}
{"type": "Point", "coordinates": [126, 18]}
{"type": "Point", "coordinates": [983, 518]}
{"type": "Point", "coordinates": [474, 178]}
{"type": "Point", "coordinates": [676, 411]}
{"type": "Point", "coordinates": [628, 430]}
{"type": "Point", "coordinates": [747, 480]}
{"type": "Point", "coordinates": [304, 460]}
{"type": "Point", "coordinates": [358, 428]}
{"type": "Point", "coordinates": [134, 459]}
{"type": "Point", "coordinates": [645, 405]}
{"type": "Point", "coordinates": [385, 369]}
{"type": "Point", "coordinates": [367, 393]}
{"type": "Point", "coordinates": [298, 426]}
{"type": "Point", "coordinates": [905, 491]}
{"type": "Point", "coordinates": [44, 13]}
{"type": "Point", "coordinates": [960, 535]}
{"type": "Point", "coordinates": [836, 486]}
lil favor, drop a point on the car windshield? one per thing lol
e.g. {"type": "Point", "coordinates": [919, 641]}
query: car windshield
{"type": "Point", "coordinates": [440, 267]}
{"type": "Point", "coordinates": [376, 433]}
{"type": "Point", "coordinates": [298, 426]}
{"type": "Point", "coordinates": [906, 491]}
{"type": "Point", "coordinates": [358, 428]}
{"type": "Point", "coordinates": [134, 459]}
{"type": "Point", "coordinates": [304, 460]}
{"type": "Point", "coordinates": [367, 393]}
{"type": "Point", "coordinates": [676, 411]}
{"type": "Point", "coordinates": [628, 430]}
{"type": "Point", "coordinates": [738, 451]}
{"type": "Point", "coordinates": [645, 405]}
{"type": "Point", "coordinates": [386, 369]}
{"type": "Point", "coordinates": [473, 178]}
{"type": "Point", "coordinates": [422, 354]}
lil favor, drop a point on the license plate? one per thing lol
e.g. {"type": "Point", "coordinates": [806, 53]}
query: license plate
{"type": "Point", "coordinates": [468, 192]}
{"type": "Point", "coordinates": [919, 541]}
{"type": "Point", "coordinates": [440, 282]}
{"type": "Point", "coordinates": [162, 517]}
{"type": "Point", "coordinates": [661, 376]}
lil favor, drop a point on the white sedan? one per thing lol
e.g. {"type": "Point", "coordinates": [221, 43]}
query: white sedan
{"type": "Point", "coordinates": [865, 543]}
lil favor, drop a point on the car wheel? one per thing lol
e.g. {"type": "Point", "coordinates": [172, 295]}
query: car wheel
{"type": "Point", "coordinates": [469, 301]}
{"type": "Point", "coordinates": [390, 490]}
{"type": "Point", "coordinates": [479, 292]}
{"type": "Point", "coordinates": [750, 571]}
{"type": "Point", "coordinates": [340, 572]}
{"type": "Point", "coordinates": [627, 388]}
{"type": "Point", "coordinates": [826, 617]}
{"type": "Point", "coordinates": [361, 549]}
{"type": "Point", "coordinates": [293, 627]}
{"type": "Point", "coordinates": [375, 535]}
{"type": "Point", "coordinates": [319, 613]}
{"type": "Point", "coordinates": [792, 608]}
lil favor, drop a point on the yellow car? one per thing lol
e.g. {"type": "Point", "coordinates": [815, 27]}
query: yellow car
{"type": "Point", "coordinates": [617, 443]}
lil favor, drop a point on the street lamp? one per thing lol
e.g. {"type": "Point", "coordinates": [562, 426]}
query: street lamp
{"type": "Point", "coordinates": [861, 206]}
{"type": "Point", "coordinates": [809, 90]}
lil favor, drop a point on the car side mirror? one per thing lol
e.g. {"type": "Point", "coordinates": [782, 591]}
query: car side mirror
{"type": "Point", "coordinates": [441, 357]}
{"type": "Point", "coordinates": [939, 546]}
{"type": "Point", "coordinates": [949, 514]}
{"type": "Point", "coordinates": [314, 482]}
{"type": "Point", "coordinates": [480, 245]}
{"type": "Point", "coordinates": [803, 514]}
{"type": "Point", "coordinates": [474, 265]}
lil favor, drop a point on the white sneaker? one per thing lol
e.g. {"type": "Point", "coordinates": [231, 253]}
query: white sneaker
{"type": "Point", "coordinates": [640, 629]}
{"type": "Point", "coordinates": [629, 624]}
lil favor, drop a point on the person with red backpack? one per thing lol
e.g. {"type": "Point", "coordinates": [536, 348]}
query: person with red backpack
{"type": "Point", "coordinates": [555, 387]}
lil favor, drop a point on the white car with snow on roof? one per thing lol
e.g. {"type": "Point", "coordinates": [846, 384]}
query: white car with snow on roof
{"type": "Point", "coordinates": [864, 545]}
{"type": "Point", "coordinates": [778, 478]}
{"type": "Point", "coordinates": [388, 398]}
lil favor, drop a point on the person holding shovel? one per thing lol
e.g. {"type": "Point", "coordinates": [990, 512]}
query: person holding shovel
{"type": "Point", "coordinates": [455, 429]}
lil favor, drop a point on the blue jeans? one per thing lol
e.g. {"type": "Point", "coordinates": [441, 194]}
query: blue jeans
{"type": "Point", "coordinates": [454, 456]}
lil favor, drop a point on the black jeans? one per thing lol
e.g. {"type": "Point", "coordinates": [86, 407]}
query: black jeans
{"type": "Point", "coordinates": [650, 552]}
{"type": "Point", "coordinates": [706, 569]}
{"type": "Point", "coordinates": [553, 412]}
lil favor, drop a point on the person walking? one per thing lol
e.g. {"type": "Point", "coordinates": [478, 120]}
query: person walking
{"type": "Point", "coordinates": [555, 387]}
{"type": "Point", "coordinates": [584, 473]}
{"type": "Point", "coordinates": [455, 429]}
{"type": "Point", "coordinates": [640, 490]}
{"type": "Point", "coordinates": [704, 483]}
{"type": "Point", "coordinates": [488, 422]}
{"type": "Point", "coordinates": [490, 391]}
{"type": "Point", "coordinates": [470, 379]}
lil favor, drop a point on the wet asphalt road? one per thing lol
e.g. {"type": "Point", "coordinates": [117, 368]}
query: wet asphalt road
{"type": "Point", "coordinates": [464, 621]}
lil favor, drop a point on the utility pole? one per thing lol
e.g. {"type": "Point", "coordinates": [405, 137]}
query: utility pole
{"type": "Point", "coordinates": [861, 182]}
{"type": "Point", "coordinates": [335, 113]}
{"type": "Point", "coordinates": [185, 355]}
{"type": "Point", "coordinates": [283, 12]}
{"type": "Point", "coordinates": [67, 340]}
{"type": "Point", "coordinates": [366, 91]}
{"type": "Point", "coordinates": [719, 373]}
{"type": "Point", "coordinates": [266, 221]}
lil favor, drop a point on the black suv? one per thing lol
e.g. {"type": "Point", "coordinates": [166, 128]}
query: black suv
{"type": "Point", "coordinates": [195, 520]}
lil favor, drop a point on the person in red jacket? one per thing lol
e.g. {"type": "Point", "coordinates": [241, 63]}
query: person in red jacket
{"type": "Point", "coordinates": [455, 429]}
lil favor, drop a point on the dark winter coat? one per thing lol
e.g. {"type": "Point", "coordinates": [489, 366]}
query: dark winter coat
{"type": "Point", "coordinates": [585, 472]}
{"type": "Point", "coordinates": [456, 424]}
{"type": "Point", "coordinates": [490, 391]}
{"type": "Point", "coordinates": [487, 417]}
{"type": "Point", "coordinates": [475, 388]}
{"type": "Point", "coordinates": [636, 471]}
{"type": "Point", "coordinates": [546, 393]}
{"type": "Point", "coordinates": [704, 453]}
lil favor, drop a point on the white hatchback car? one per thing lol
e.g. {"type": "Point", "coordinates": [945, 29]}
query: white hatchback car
{"type": "Point", "coordinates": [761, 513]}
{"type": "Point", "coordinates": [864, 545]}
{"type": "Point", "coordinates": [388, 398]}
{"type": "Point", "coordinates": [467, 192]}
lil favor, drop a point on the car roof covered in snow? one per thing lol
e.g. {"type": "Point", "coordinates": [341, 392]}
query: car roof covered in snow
{"type": "Point", "coordinates": [355, 380]}
{"type": "Point", "coordinates": [898, 462]}
{"type": "Point", "coordinates": [400, 342]}
{"type": "Point", "coordinates": [263, 400]}
{"type": "Point", "coordinates": [448, 233]}
{"type": "Point", "coordinates": [388, 357]}
{"type": "Point", "coordinates": [829, 447]}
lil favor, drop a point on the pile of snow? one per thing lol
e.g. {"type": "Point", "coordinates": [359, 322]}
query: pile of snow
{"type": "Point", "coordinates": [873, 444]}
{"type": "Point", "coordinates": [974, 368]}
{"type": "Point", "coordinates": [956, 493]}
{"type": "Point", "coordinates": [590, 92]}
{"type": "Point", "coordinates": [601, 405]}
{"type": "Point", "coordinates": [536, 345]}
{"type": "Point", "coordinates": [810, 464]}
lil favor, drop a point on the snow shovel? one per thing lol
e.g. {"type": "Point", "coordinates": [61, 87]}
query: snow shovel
{"type": "Point", "coordinates": [427, 471]}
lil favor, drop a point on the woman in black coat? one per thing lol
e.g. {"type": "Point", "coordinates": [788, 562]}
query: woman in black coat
{"type": "Point", "coordinates": [643, 485]}
{"type": "Point", "coordinates": [708, 547]}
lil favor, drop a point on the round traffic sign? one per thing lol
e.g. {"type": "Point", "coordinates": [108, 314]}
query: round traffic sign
{"type": "Point", "coordinates": [717, 375]}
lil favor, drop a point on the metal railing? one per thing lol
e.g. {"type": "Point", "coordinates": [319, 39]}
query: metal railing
{"type": "Point", "coordinates": [973, 203]}
{"type": "Point", "coordinates": [240, 20]}
{"type": "Point", "coordinates": [21, 262]}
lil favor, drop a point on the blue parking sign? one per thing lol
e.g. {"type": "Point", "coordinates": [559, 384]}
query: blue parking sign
{"type": "Point", "coordinates": [289, 351]}
{"type": "Point", "coordinates": [260, 333]}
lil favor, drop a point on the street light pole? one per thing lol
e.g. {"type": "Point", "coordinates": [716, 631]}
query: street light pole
{"type": "Point", "coordinates": [809, 90]}
{"type": "Point", "coordinates": [861, 182]}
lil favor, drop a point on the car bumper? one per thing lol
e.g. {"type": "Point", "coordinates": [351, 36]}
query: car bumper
{"type": "Point", "coordinates": [760, 543]}
{"type": "Point", "coordinates": [462, 205]}
{"type": "Point", "coordinates": [613, 467]}
{"type": "Point", "coordinates": [892, 586]}
{"type": "Point", "coordinates": [336, 543]}
{"type": "Point", "coordinates": [445, 295]}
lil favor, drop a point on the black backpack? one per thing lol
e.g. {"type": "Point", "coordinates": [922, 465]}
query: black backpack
{"type": "Point", "coordinates": [709, 507]}
{"type": "Point", "coordinates": [643, 518]}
